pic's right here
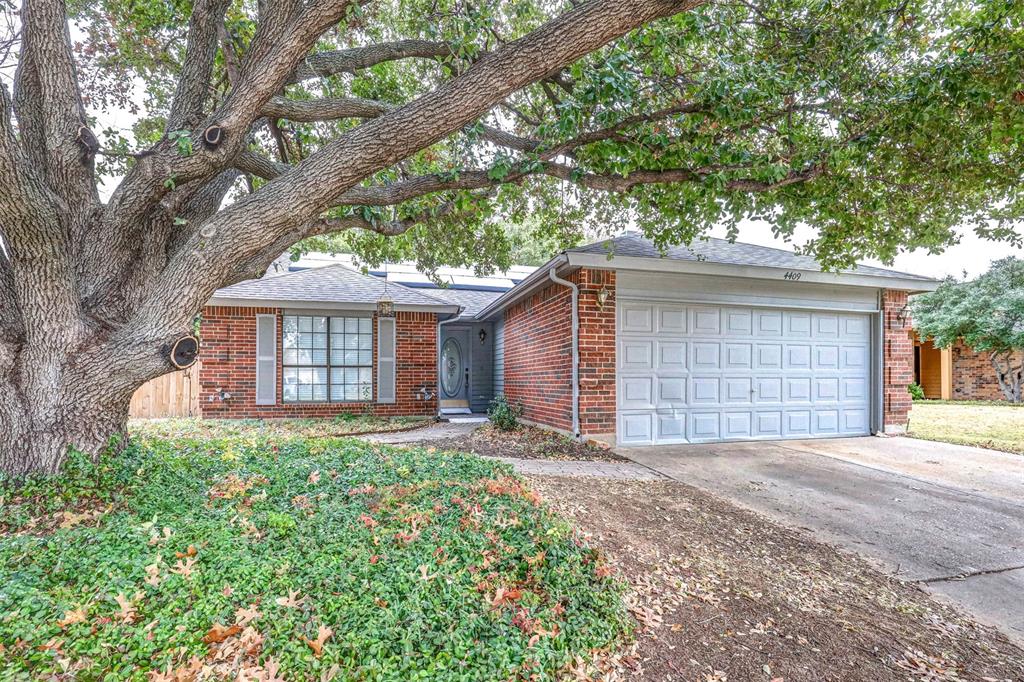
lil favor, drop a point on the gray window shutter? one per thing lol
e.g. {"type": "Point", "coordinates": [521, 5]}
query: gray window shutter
{"type": "Point", "coordinates": [266, 359]}
{"type": "Point", "coordinates": [385, 360]}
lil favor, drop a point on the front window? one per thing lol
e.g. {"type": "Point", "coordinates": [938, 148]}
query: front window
{"type": "Point", "coordinates": [327, 359]}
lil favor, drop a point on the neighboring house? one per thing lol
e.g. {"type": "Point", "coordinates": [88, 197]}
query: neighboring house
{"type": "Point", "coordinates": [613, 341]}
{"type": "Point", "coordinates": [957, 373]}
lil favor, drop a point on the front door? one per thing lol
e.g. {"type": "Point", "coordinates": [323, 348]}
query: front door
{"type": "Point", "coordinates": [455, 369]}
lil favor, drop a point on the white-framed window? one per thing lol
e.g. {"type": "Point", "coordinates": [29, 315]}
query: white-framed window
{"type": "Point", "coordinates": [327, 359]}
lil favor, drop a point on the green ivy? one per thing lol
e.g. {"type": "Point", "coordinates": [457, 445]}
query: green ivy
{"type": "Point", "coordinates": [422, 565]}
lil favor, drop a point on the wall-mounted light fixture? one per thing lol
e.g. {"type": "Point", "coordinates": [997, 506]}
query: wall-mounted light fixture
{"type": "Point", "coordinates": [483, 336]}
{"type": "Point", "coordinates": [602, 297]}
{"type": "Point", "coordinates": [385, 304]}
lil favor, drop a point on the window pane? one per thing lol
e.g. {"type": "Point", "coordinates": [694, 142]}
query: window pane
{"type": "Point", "coordinates": [319, 392]}
{"type": "Point", "coordinates": [365, 342]}
{"type": "Point", "coordinates": [320, 325]}
{"type": "Point", "coordinates": [365, 375]}
{"type": "Point", "coordinates": [351, 392]}
{"type": "Point", "coordinates": [365, 391]}
{"type": "Point", "coordinates": [290, 380]}
{"type": "Point", "coordinates": [305, 391]}
{"type": "Point", "coordinates": [337, 356]}
{"type": "Point", "coordinates": [351, 325]}
{"type": "Point", "coordinates": [352, 341]}
{"type": "Point", "coordinates": [366, 357]}
{"type": "Point", "coordinates": [305, 324]}
{"type": "Point", "coordinates": [319, 340]}
{"type": "Point", "coordinates": [319, 357]}
{"type": "Point", "coordinates": [291, 357]}
{"type": "Point", "coordinates": [365, 325]}
{"type": "Point", "coordinates": [337, 393]}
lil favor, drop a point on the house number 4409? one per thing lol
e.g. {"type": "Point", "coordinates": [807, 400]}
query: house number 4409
{"type": "Point", "coordinates": [792, 276]}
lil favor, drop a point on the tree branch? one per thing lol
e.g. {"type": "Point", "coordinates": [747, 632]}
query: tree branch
{"type": "Point", "coordinates": [51, 118]}
{"type": "Point", "coordinates": [325, 109]}
{"type": "Point", "coordinates": [200, 53]}
{"type": "Point", "coordinates": [257, 221]}
{"type": "Point", "coordinates": [351, 60]}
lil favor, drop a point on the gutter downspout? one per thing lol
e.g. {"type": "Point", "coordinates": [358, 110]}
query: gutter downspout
{"type": "Point", "coordinates": [437, 355]}
{"type": "Point", "coordinates": [575, 349]}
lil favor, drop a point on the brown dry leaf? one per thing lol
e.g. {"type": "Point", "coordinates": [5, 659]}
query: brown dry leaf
{"type": "Point", "coordinates": [218, 633]}
{"type": "Point", "coordinates": [290, 602]}
{"type": "Point", "coordinates": [314, 477]}
{"type": "Point", "coordinates": [424, 575]}
{"type": "Point", "coordinates": [127, 611]}
{"type": "Point", "coordinates": [323, 633]}
{"type": "Point", "coordinates": [245, 616]}
{"type": "Point", "coordinates": [227, 591]}
{"type": "Point", "coordinates": [503, 596]}
{"type": "Point", "coordinates": [153, 573]}
{"type": "Point", "coordinates": [72, 617]}
{"type": "Point", "coordinates": [186, 568]}
{"type": "Point", "coordinates": [191, 551]}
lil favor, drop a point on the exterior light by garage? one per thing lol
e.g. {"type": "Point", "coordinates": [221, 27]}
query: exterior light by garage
{"type": "Point", "coordinates": [482, 336]}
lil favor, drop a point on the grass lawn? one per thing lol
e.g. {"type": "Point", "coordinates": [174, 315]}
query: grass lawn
{"type": "Point", "coordinates": [299, 559]}
{"type": "Point", "coordinates": [998, 426]}
{"type": "Point", "coordinates": [342, 425]}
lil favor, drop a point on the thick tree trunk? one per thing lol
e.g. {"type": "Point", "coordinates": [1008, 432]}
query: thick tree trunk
{"type": "Point", "coordinates": [36, 434]}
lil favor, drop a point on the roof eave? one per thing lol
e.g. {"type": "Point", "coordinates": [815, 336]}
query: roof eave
{"type": "Point", "coordinates": [236, 302]}
{"type": "Point", "coordinates": [766, 272]}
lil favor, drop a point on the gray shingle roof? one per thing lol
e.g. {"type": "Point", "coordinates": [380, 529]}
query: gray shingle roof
{"type": "Point", "coordinates": [714, 250]}
{"type": "Point", "coordinates": [473, 301]}
{"type": "Point", "coordinates": [331, 284]}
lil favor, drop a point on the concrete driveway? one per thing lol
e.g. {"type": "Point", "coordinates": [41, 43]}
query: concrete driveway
{"type": "Point", "coordinates": [949, 517]}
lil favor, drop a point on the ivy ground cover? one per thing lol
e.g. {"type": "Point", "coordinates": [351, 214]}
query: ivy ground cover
{"type": "Point", "coordinates": [294, 559]}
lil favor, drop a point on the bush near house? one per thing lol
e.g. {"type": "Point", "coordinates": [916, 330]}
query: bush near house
{"type": "Point", "coordinates": [295, 559]}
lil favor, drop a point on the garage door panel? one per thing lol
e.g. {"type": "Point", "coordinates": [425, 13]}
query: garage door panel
{"type": "Point", "coordinates": [671, 427]}
{"type": "Point", "coordinates": [636, 392]}
{"type": "Point", "coordinates": [637, 318]}
{"type": "Point", "coordinates": [636, 428]}
{"type": "Point", "coordinates": [671, 320]}
{"type": "Point", "coordinates": [706, 355]}
{"type": "Point", "coordinates": [738, 355]}
{"type": "Point", "coordinates": [671, 391]}
{"type": "Point", "coordinates": [737, 322]}
{"type": "Point", "coordinates": [768, 424]}
{"type": "Point", "coordinates": [637, 355]}
{"type": "Point", "coordinates": [671, 355]}
{"type": "Point", "coordinates": [738, 389]}
{"type": "Point", "coordinates": [703, 373]}
{"type": "Point", "coordinates": [705, 426]}
{"type": "Point", "coordinates": [704, 391]}
{"type": "Point", "coordinates": [705, 321]}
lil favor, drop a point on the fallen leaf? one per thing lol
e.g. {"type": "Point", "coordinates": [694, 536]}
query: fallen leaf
{"type": "Point", "coordinates": [191, 551]}
{"type": "Point", "coordinates": [72, 617]}
{"type": "Point", "coordinates": [290, 602]}
{"type": "Point", "coordinates": [314, 477]}
{"type": "Point", "coordinates": [323, 633]}
{"type": "Point", "coordinates": [127, 611]}
{"type": "Point", "coordinates": [186, 568]}
{"type": "Point", "coordinates": [245, 616]}
{"type": "Point", "coordinates": [218, 633]}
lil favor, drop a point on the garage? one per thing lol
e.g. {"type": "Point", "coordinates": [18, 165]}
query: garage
{"type": "Point", "coordinates": [700, 373]}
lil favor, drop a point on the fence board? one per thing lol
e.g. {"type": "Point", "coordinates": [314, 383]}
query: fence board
{"type": "Point", "coordinates": [172, 395]}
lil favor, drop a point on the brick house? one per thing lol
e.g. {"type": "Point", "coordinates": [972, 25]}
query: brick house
{"type": "Point", "coordinates": [957, 373]}
{"type": "Point", "coordinates": [614, 341]}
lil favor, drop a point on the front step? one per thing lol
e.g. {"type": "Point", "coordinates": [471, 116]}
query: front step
{"type": "Point", "coordinates": [449, 411]}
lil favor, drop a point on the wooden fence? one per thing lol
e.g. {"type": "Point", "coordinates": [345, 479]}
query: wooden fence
{"type": "Point", "coordinates": [172, 395]}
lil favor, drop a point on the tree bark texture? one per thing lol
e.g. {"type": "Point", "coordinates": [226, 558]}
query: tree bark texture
{"type": "Point", "coordinates": [93, 293]}
{"type": "Point", "coordinates": [1010, 376]}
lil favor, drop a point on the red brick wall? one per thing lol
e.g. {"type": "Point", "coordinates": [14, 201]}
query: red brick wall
{"type": "Point", "coordinates": [898, 368]}
{"type": "Point", "coordinates": [597, 352]}
{"type": "Point", "coordinates": [538, 354]}
{"type": "Point", "coordinates": [229, 364]}
{"type": "Point", "coordinates": [973, 375]}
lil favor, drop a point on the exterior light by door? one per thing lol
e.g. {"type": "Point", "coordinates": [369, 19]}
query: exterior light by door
{"type": "Point", "coordinates": [385, 304]}
{"type": "Point", "coordinates": [483, 336]}
{"type": "Point", "coordinates": [602, 297]}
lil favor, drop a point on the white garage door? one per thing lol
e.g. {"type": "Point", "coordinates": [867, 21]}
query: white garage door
{"type": "Point", "coordinates": [700, 373]}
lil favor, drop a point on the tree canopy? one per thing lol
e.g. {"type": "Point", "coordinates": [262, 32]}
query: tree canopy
{"type": "Point", "coordinates": [422, 128]}
{"type": "Point", "coordinates": [987, 314]}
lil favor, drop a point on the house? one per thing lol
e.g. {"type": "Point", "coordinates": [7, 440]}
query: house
{"type": "Point", "coordinates": [614, 341]}
{"type": "Point", "coordinates": [956, 373]}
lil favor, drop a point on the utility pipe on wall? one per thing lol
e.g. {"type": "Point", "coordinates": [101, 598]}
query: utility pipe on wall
{"type": "Point", "coordinates": [575, 349]}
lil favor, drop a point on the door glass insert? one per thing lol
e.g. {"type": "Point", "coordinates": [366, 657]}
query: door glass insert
{"type": "Point", "coordinates": [451, 368]}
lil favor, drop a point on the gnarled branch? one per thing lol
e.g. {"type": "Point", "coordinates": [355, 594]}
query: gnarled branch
{"type": "Point", "coordinates": [351, 60]}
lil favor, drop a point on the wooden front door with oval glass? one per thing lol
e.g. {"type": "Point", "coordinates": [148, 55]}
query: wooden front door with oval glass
{"type": "Point", "coordinates": [454, 369]}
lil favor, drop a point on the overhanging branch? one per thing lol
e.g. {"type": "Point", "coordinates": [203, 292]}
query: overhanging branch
{"type": "Point", "coordinates": [351, 60]}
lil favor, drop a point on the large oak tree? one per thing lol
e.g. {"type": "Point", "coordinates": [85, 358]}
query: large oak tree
{"type": "Point", "coordinates": [422, 126]}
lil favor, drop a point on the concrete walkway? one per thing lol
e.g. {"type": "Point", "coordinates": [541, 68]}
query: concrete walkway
{"type": "Point", "coordinates": [950, 517]}
{"type": "Point", "coordinates": [435, 431]}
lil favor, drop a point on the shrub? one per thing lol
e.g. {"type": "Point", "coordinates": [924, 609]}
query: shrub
{"type": "Point", "coordinates": [916, 392]}
{"type": "Point", "coordinates": [505, 414]}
